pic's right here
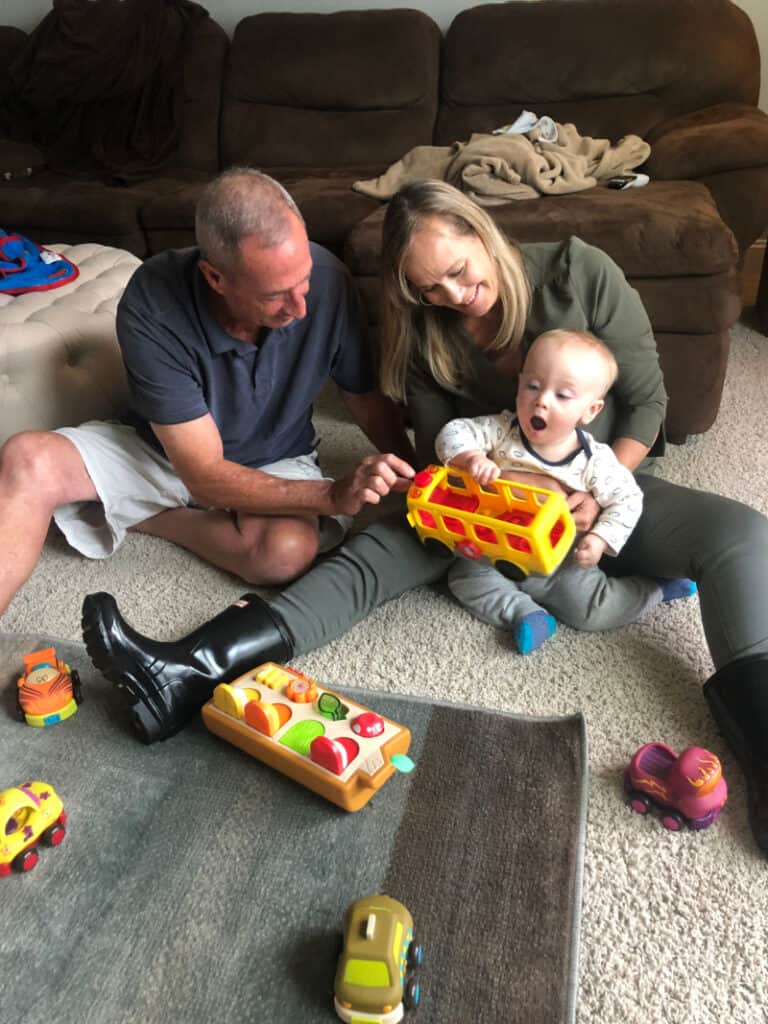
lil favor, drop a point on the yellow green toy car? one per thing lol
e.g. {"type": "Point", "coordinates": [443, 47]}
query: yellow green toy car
{"type": "Point", "coordinates": [375, 977]}
{"type": "Point", "coordinates": [28, 813]}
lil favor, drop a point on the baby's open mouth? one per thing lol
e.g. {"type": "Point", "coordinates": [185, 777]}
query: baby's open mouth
{"type": "Point", "coordinates": [538, 423]}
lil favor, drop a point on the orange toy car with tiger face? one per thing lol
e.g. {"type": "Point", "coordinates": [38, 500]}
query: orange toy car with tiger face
{"type": "Point", "coordinates": [49, 691]}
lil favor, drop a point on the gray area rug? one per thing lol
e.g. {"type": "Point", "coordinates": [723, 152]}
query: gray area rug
{"type": "Point", "coordinates": [195, 884]}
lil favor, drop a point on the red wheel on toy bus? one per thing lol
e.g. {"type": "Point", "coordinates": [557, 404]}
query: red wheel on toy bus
{"type": "Point", "coordinates": [26, 860]}
{"type": "Point", "coordinates": [469, 549]}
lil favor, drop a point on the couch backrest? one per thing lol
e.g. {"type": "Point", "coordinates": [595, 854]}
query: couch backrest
{"type": "Point", "coordinates": [351, 89]}
{"type": "Point", "coordinates": [206, 55]}
{"type": "Point", "coordinates": [611, 67]}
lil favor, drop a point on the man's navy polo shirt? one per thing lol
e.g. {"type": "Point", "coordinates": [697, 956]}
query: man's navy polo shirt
{"type": "Point", "coordinates": [181, 364]}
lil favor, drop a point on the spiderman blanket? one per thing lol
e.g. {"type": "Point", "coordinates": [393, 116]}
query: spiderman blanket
{"type": "Point", "coordinates": [26, 266]}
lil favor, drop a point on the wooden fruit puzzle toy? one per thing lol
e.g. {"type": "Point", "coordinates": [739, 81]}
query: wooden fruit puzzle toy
{"type": "Point", "coordinates": [521, 529]}
{"type": "Point", "coordinates": [338, 748]}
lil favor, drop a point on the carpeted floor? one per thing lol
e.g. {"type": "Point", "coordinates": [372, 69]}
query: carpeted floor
{"type": "Point", "coordinates": [673, 925]}
{"type": "Point", "coordinates": [190, 861]}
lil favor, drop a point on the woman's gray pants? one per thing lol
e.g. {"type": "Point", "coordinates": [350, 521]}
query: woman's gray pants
{"type": "Point", "coordinates": [719, 543]}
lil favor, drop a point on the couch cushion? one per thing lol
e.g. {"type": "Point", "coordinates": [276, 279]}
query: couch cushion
{"type": "Point", "coordinates": [355, 88]}
{"type": "Point", "coordinates": [612, 67]}
{"type": "Point", "coordinates": [204, 61]}
{"type": "Point", "coordinates": [51, 208]}
{"type": "Point", "coordinates": [327, 202]}
{"type": "Point", "coordinates": [666, 229]}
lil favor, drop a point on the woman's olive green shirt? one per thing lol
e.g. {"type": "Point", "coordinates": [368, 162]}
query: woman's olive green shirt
{"type": "Point", "coordinates": [576, 286]}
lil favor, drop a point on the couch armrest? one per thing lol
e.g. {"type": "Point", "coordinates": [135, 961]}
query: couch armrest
{"type": "Point", "coordinates": [726, 137]}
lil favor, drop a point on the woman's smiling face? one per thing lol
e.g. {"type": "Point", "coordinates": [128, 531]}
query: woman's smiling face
{"type": "Point", "coordinates": [451, 270]}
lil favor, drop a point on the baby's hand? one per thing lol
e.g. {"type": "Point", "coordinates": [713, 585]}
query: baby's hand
{"type": "Point", "coordinates": [478, 465]}
{"type": "Point", "coordinates": [589, 550]}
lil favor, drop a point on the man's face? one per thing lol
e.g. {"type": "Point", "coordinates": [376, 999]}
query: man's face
{"type": "Point", "coordinates": [268, 288]}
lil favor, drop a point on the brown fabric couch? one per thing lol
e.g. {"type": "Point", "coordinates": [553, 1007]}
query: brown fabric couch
{"type": "Point", "coordinates": [320, 101]}
{"type": "Point", "coordinates": [682, 74]}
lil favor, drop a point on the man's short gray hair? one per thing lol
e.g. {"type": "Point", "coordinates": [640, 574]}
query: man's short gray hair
{"type": "Point", "coordinates": [239, 203]}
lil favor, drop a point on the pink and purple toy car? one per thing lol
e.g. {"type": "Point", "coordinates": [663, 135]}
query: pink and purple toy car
{"type": "Point", "coordinates": [686, 790]}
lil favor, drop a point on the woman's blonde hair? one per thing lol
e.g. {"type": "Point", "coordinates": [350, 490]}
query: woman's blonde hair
{"type": "Point", "coordinates": [409, 328]}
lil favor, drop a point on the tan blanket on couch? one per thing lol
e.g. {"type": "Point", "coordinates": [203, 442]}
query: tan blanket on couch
{"type": "Point", "coordinates": [497, 168]}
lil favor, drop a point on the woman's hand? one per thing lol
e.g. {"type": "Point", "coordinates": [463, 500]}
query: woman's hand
{"type": "Point", "coordinates": [584, 509]}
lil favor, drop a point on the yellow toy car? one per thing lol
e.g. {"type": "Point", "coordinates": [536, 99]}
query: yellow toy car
{"type": "Point", "coordinates": [521, 529]}
{"type": "Point", "coordinates": [28, 813]}
{"type": "Point", "coordinates": [49, 691]}
{"type": "Point", "coordinates": [375, 977]}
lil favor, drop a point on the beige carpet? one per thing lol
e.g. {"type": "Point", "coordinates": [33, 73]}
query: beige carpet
{"type": "Point", "coordinates": [674, 925]}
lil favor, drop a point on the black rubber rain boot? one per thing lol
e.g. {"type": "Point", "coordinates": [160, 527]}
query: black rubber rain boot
{"type": "Point", "coordinates": [738, 697]}
{"type": "Point", "coordinates": [167, 683]}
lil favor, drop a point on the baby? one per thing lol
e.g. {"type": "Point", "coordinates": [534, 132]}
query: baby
{"type": "Point", "coordinates": [562, 385]}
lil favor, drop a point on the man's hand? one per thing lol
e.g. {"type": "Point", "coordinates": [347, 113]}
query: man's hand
{"type": "Point", "coordinates": [589, 550]}
{"type": "Point", "coordinates": [584, 509]}
{"type": "Point", "coordinates": [478, 465]}
{"type": "Point", "coordinates": [374, 477]}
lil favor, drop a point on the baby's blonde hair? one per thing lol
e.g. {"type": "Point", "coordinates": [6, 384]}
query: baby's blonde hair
{"type": "Point", "coordinates": [563, 337]}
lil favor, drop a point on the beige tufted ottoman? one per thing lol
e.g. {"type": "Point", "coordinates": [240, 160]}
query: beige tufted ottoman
{"type": "Point", "coordinates": [59, 359]}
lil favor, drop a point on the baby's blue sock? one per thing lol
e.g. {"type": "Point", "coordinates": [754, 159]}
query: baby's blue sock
{"type": "Point", "coordinates": [532, 630]}
{"type": "Point", "coordinates": [671, 590]}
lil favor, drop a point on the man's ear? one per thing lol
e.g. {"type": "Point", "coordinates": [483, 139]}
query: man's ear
{"type": "Point", "coordinates": [591, 411]}
{"type": "Point", "coordinates": [213, 277]}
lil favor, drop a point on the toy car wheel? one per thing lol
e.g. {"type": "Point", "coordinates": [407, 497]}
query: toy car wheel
{"type": "Point", "coordinates": [639, 802]}
{"type": "Point", "coordinates": [26, 860]}
{"type": "Point", "coordinates": [54, 835]}
{"type": "Point", "coordinates": [20, 711]}
{"type": "Point", "coordinates": [412, 994]}
{"type": "Point", "coordinates": [672, 821]}
{"type": "Point", "coordinates": [510, 570]}
{"type": "Point", "coordinates": [77, 686]}
{"type": "Point", "coordinates": [415, 955]}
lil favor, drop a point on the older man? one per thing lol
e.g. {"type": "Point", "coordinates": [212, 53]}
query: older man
{"type": "Point", "coordinates": [226, 347]}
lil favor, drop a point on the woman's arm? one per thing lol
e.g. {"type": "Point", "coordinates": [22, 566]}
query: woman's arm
{"type": "Point", "coordinates": [615, 314]}
{"type": "Point", "coordinates": [429, 407]}
{"type": "Point", "coordinates": [630, 453]}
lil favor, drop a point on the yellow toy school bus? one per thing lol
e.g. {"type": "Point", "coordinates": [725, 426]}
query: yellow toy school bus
{"type": "Point", "coordinates": [521, 529]}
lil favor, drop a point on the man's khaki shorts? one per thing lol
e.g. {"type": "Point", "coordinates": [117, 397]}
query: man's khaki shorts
{"type": "Point", "coordinates": [134, 482]}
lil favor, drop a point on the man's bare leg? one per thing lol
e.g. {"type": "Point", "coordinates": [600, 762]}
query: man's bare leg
{"type": "Point", "coordinates": [38, 472]}
{"type": "Point", "coordinates": [259, 549]}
